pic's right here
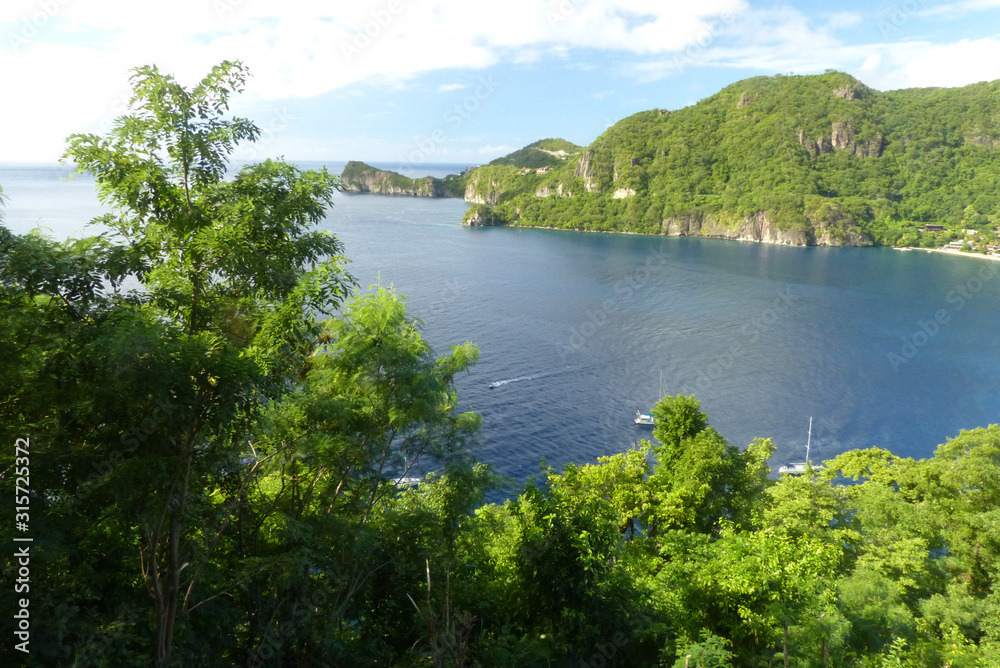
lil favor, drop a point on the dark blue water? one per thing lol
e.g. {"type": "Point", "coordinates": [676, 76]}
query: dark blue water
{"type": "Point", "coordinates": [583, 325]}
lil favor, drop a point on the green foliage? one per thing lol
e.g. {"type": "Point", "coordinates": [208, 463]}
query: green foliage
{"type": "Point", "coordinates": [542, 153]}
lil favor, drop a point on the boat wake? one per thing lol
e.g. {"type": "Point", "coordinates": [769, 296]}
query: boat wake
{"type": "Point", "coordinates": [500, 383]}
{"type": "Point", "coordinates": [537, 376]}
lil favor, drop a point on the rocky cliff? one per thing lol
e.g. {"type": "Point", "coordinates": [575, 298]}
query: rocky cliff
{"type": "Point", "coordinates": [760, 228]}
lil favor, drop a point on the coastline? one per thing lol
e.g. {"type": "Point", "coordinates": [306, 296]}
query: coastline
{"type": "Point", "coordinates": [945, 251]}
{"type": "Point", "coordinates": [949, 251]}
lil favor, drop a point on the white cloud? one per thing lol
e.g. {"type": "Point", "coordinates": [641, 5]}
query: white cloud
{"type": "Point", "coordinates": [77, 55]}
{"type": "Point", "coordinates": [71, 71]}
{"type": "Point", "coordinates": [871, 62]}
{"type": "Point", "coordinates": [923, 64]}
{"type": "Point", "coordinates": [956, 10]}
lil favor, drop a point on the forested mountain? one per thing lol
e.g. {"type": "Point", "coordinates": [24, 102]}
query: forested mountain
{"type": "Point", "coordinates": [819, 159]}
{"type": "Point", "coordinates": [208, 433]}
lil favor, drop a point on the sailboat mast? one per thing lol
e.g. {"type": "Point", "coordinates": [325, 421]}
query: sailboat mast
{"type": "Point", "coordinates": [809, 441]}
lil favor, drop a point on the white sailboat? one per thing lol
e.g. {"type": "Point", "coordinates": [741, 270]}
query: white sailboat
{"type": "Point", "coordinates": [646, 418]}
{"type": "Point", "coordinates": [798, 468]}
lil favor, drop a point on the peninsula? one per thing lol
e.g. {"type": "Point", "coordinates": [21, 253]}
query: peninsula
{"type": "Point", "coordinates": [358, 177]}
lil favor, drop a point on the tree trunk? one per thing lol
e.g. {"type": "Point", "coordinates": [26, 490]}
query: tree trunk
{"type": "Point", "coordinates": [168, 596]}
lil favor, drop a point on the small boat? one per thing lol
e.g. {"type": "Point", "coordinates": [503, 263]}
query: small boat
{"type": "Point", "coordinates": [496, 384]}
{"type": "Point", "coordinates": [799, 468]}
{"type": "Point", "coordinates": [407, 480]}
{"type": "Point", "coordinates": [644, 418]}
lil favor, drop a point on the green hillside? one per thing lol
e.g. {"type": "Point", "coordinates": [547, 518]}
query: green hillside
{"type": "Point", "coordinates": [793, 159]}
{"type": "Point", "coordinates": [542, 153]}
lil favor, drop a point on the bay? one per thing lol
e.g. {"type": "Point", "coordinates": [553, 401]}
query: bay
{"type": "Point", "coordinates": [881, 347]}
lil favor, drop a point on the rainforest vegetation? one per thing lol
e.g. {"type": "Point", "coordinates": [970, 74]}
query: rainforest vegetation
{"type": "Point", "coordinates": [821, 155]}
{"type": "Point", "coordinates": [218, 426]}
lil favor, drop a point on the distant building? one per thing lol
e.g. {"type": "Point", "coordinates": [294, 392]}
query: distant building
{"type": "Point", "coordinates": [971, 232]}
{"type": "Point", "coordinates": [543, 170]}
{"type": "Point", "coordinates": [933, 228]}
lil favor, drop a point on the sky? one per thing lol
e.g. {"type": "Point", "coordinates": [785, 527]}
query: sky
{"type": "Point", "coordinates": [457, 81]}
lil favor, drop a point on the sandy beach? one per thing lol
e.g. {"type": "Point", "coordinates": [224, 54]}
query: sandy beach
{"type": "Point", "coordinates": [949, 251]}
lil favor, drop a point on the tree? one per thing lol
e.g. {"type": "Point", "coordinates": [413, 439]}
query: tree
{"type": "Point", "coordinates": [373, 407]}
{"type": "Point", "coordinates": [142, 357]}
{"type": "Point", "coordinates": [699, 479]}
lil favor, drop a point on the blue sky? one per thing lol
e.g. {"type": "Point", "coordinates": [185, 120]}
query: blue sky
{"type": "Point", "coordinates": [457, 81]}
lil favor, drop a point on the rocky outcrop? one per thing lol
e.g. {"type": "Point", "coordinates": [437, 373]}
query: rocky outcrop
{"type": "Point", "coordinates": [546, 191]}
{"type": "Point", "coordinates": [584, 171]}
{"type": "Point", "coordinates": [479, 191]}
{"type": "Point", "coordinates": [623, 193]}
{"type": "Point", "coordinates": [761, 229]}
{"type": "Point", "coordinates": [983, 140]}
{"type": "Point", "coordinates": [847, 92]}
{"type": "Point", "coordinates": [745, 99]}
{"type": "Point", "coordinates": [480, 215]}
{"type": "Point", "coordinates": [842, 138]}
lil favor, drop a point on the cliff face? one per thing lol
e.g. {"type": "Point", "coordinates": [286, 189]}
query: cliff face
{"type": "Point", "coordinates": [757, 228]}
{"type": "Point", "coordinates": [584, 170]}
{"type": "Point", "coordinates": [761, 228]}
{"type": "Point", "coordinates": [841, 138]}
{"type": "Point", "coordinates": [361, 178]}
{"type": "Point", "coordinates": [482, 190]}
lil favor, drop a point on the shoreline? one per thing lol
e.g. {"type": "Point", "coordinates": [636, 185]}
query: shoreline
{"type": "Point", "coordinates": [948, 251]}
{"type": "Point", "coordinates": [944, 251]}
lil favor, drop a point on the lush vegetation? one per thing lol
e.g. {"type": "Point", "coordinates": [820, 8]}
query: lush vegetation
{"type": "Point", "coordinates": [219, 428]}
{"type": "Point", "coordinates": [822, 155]}
{"type": "Point", "coordinates": [359, 177]}
{"type": "Point", "coordinates": [542, 153]}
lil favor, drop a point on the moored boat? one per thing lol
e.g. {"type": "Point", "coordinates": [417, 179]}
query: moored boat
{"type": "Point", "coordinates": [799, 468]}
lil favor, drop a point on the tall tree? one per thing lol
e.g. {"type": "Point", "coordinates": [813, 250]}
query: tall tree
{"type": "Point", "coordinates": [141, 357]}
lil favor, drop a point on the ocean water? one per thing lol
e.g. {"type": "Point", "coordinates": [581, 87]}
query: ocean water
{"type": "Point", "coordinates": [880, 347]}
